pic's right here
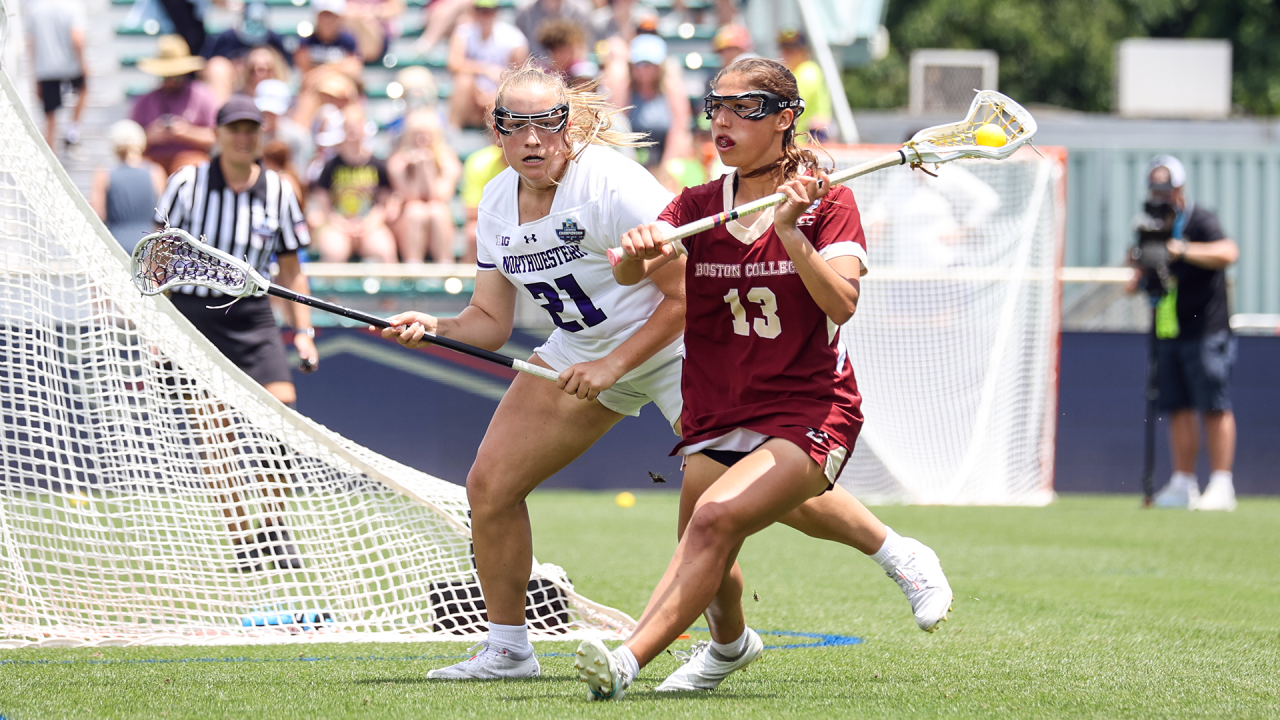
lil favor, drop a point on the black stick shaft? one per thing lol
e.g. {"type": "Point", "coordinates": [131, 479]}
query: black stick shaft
{"type": "Point", "coordinates": [317, 303]}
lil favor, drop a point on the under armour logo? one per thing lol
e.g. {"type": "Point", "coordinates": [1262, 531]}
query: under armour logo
{"type": "Point", "coordinates": [531, 238]}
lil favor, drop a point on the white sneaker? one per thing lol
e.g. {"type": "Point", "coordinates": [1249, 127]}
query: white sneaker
{"type": "Point", "coordinates": [489, 664]}
{"type": "Point", "coordinates": [1178, 493]}
{"type": "Point", "coordinates": [704, 668]}
{"type": "Point", "coordinates": [920, 576]}
{"type": "Point", "coordinates": [601, 671]}
{"type": "Point", "coordinates": [1218, 495]}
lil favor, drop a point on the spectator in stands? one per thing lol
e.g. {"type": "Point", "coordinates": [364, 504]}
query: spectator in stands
{"type": "Point", "coordinates": [276, 157]}
{"type": "Point", "coordinates": [374, 25]}
{"type": "Point", "coordinates": [348, 209]}
{"type": "Point", "coordinates": [478, 55]}
{"type": "Point", "coordinates": [262, 63]}
{"type": "Point", "coordinates": [328, 47]}
{"type": "Point", "coordinates": [55, 39]}
{"type": "Point", "coordinates": [531, 19]}
{"type": "Point", "coordinates": [274, 99]}
{"type": "Point", "coordinates": [230, 55]}
{"type": "Point", "coordinates": [181, 115]}
{"type": "Point", "coordinates": [565, 47]}
{"type": "Point", "coordinates": [424, 173]}
{"type": "Point", "coordinates": [732, 42]}
{"type": "Point", "coordinates": [481, 166]}
{"type": "Point", "coordinates": [335, 95]}
{"type": "Point", "coordinates": [655, 92]}
{"type": "Point", "coordinates": [816, 119]}
{"type": "Point", "coordinates": [125, 196]}
{"type": "Point", "coordinates": [726, 10]}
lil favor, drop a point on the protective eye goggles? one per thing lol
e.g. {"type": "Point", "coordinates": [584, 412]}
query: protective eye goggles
{"type": "Point", "coordinates": [754, 105]}
{"type": "Point", "coordinates": [552, 121]}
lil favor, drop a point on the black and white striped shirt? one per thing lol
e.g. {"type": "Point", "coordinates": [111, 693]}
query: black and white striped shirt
{"type": "Point", "coordinates": [253, 224]}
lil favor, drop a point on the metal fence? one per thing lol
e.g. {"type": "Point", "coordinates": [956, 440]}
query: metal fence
{"type": "Point", "coordinates": [1106, 187]}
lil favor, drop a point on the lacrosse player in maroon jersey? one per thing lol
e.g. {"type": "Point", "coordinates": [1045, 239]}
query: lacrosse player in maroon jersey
{"type": "Point", "coordinates": [771, 407]}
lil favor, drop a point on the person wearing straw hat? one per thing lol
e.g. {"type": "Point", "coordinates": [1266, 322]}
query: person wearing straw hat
{"type": "Point", "coordinates": [181, 114]}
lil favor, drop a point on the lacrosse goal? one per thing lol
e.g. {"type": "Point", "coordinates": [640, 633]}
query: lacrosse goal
{"type": "Point", "coordinates": [955, 342]}
{"type": "Point", "coordinates": [150, 492]}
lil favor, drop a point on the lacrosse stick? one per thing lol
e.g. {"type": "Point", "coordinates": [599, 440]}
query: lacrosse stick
{"type": "Point", "coordinates": [171, 257]}
{"type": "Point", "coordinates": [989, 112]}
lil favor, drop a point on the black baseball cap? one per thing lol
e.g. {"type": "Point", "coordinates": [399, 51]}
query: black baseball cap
{"type": "Point", "coordinates": [239, 107]}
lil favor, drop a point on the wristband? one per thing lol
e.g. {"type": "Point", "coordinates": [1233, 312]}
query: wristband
{"type": "Point", "coordinates": [308, 331]}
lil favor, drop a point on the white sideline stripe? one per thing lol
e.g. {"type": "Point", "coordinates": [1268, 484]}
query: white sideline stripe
{"type": "Point", "coordinates": [387, 270]}
{"type": "Point", "coordinates": [404, 362]}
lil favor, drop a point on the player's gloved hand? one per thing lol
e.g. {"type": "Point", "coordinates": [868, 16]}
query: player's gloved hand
{"type": "Point", "coordinates": [587, 380]}
{"type": "Point", "coordinates": [410, 329]}
{"type": "Point", "coordinates": [801, 192]}
{"type": "Point", "coordinates": [645, 242]}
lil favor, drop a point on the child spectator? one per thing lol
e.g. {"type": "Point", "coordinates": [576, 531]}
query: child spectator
{"type": "Point", "coordinates": [328, 46]}
{"type": "Point", "coordinates": [55, 38]}
{"type": "Point", "coordinates": [125, 196]}
{"type": "Point", "coordinates": [424, 174]}
{"type": "Point", "coordinates": [348, 209]}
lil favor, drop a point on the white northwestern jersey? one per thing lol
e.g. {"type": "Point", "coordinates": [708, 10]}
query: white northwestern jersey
{"type": "Point", "coordinates": [560, 260]}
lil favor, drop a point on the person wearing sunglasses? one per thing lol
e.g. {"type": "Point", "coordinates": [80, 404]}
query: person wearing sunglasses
{"type": "Point", "coordinates": [771, 406]}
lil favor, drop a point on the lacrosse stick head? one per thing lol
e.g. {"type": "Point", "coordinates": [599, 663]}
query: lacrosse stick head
{"type": "Point", "coordinates": [171, 257]}
{"type": "Point", "coordinates": [944, 143]}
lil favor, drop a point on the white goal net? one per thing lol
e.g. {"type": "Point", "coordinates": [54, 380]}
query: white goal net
{"type": "Point", "coordinates": [150, 492]}
{"type": "Point", "coordinates": [955, 340]}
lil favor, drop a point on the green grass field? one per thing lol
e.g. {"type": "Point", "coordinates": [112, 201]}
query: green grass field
{"type": "Point", "coordinates": [1087, 608]}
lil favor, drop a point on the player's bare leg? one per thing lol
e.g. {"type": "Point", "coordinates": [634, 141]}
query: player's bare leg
{"type": "Point", "coordinates": [839, 517]}
{"type": "Point", "coordinates": [750, 496]}
{"type": "Point", "coordinates": [536, 431]}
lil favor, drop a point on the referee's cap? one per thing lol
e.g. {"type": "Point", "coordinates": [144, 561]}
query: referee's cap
{"type": "Point", "coordinates": [1174, 175]}
{"type": "Point", "coordinates": [239, 107]}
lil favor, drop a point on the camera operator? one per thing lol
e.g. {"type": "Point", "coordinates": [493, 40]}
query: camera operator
{"type": "Point", "coordinates": [1195, 349]}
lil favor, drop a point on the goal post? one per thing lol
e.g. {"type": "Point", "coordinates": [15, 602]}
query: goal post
{"type": "Point", "coordinates": [151, 492]}
{"type": "Point", "coordinates": [955, 342]}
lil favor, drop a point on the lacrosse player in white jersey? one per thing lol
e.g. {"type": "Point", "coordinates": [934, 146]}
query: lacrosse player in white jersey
{"type": "Point", "coordinates": [545, 224]}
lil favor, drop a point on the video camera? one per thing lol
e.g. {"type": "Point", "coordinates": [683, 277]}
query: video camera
{"type": "Point", "coordinates": [1151, 253]}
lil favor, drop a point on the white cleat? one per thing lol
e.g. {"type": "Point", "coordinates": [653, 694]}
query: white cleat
{"type": "Point", "coordinates": [1183, 494]}
{"type": "Point", "coordinates": [489, 664]}
{"type": "Point", "coordinates": [920, 576]}
{"type": "Point", "coordinates": [705, 669]}
{"type": "Point", "coordinates": [1218, 495]}
{"type": "Point", "coordinates": [600, 670]}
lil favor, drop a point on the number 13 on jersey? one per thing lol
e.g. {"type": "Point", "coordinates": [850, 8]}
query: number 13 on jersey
{"type": "Point", "coordinates": [768, 326]}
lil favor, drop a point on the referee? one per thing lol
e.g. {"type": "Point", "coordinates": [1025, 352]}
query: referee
{"type": "Point", "coordinates": [242, 208]}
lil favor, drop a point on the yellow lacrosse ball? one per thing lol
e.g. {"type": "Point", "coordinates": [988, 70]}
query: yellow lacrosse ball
{"type": "Point", "coordinates": [625, 500]}
{"type": "Point", "coordinates": [990, 135]}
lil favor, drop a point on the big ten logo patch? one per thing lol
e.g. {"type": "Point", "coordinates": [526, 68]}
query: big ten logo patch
{"type": "Point", "coordinates": [503, 240]}
{"type": "Point", "coordinates": [570, 232]}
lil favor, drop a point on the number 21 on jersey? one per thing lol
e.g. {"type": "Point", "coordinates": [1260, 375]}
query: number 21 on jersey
{"type": "Point", "coordinates": [768, 326]}
{"type": "Point", "coordinates": [591, 315]}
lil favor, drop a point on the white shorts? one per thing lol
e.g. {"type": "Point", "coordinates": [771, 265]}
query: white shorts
{"type": "Point", "coordinates": [657, 380]}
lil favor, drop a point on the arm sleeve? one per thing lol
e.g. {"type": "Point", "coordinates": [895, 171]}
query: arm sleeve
{"type": "Point", "coordinates": [173, 207]}
{"type": "Point", "coordinates": [838, 229]}
{"type": "Point", "coordinates": [1203, 226]}
{"type": "Point", "coordinates": [326, 175]}
{"type": "Point", "coordinates": [293, 225]}
{"type": "Point", "coordinates": [632, 198]}
{"type": "Point", "coordinates": [484, 231]}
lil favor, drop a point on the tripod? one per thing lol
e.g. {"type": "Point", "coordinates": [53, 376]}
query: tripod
{"type": "Point", "coordinates": [1153, 394]}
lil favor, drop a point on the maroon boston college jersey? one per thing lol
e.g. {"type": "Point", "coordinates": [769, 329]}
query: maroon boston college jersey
{"type": "Point", "coordinates": [759, 352]}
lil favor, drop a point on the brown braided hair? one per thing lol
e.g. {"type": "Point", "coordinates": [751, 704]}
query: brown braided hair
{"type": "Point", "coordinates": [772, 76]}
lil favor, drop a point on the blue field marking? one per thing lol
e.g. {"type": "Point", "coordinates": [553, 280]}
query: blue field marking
{"type": "Point", "coordinates": [814, 640]}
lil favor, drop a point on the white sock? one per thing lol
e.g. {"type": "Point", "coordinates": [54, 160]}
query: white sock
{"type": "Point", "coordinates": [1181, 478]}
{"type": "Point", "coordinates": [512, 638]}
{"type": "Point", "coordinates": [733, 649]}
{"type": "Point", "coordinates": [1220, 476]}
{"type": "Point", "coordinates": [627, 660]}
{"type": "Point", "coordinates": [887, 554]}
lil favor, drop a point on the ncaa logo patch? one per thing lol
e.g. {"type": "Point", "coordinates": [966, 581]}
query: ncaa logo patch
{"type": "Point", "coordinates": [571, 232]}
